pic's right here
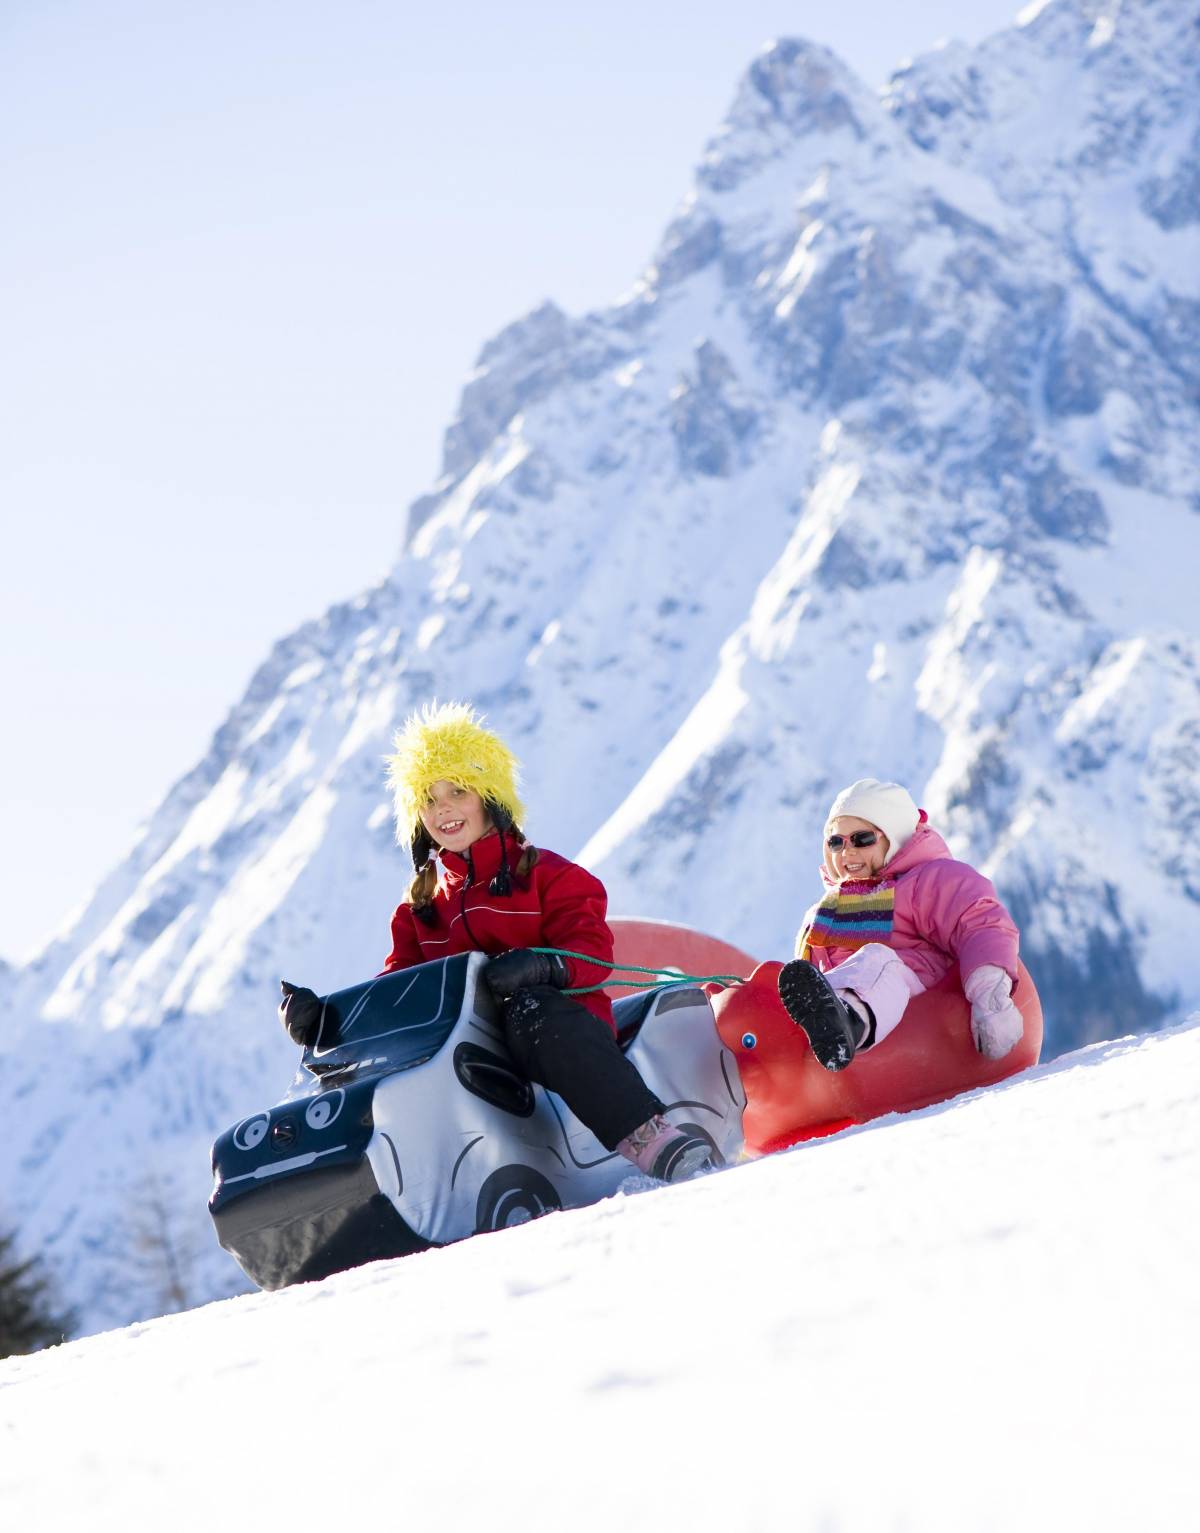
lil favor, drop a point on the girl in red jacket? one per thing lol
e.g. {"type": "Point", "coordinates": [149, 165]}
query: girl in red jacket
{"type": "Point", "coordinates": [479, 886]}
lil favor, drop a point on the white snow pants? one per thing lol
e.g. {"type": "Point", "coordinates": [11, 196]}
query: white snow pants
{"type": "Point", "coordinates": [880, 977]}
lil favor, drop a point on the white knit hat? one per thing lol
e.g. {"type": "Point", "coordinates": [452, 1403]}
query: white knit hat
{"type": "Point", "coordinates": [885, 804]}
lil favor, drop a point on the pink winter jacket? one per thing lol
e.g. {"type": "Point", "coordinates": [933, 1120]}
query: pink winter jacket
{"type": "Point", "coordinates": [944, 913]}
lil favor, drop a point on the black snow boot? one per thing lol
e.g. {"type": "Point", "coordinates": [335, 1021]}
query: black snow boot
{"type": "Point", "coordinates": [834, 1031]}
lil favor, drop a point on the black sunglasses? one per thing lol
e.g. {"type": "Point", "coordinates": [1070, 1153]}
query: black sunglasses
{"type": "Point", "coordinates": [859, 838]}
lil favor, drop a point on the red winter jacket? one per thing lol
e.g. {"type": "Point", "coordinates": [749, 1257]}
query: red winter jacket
{"type": "Point", "coordinates": [559, 904]}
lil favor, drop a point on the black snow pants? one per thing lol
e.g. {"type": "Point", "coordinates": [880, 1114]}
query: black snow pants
{"type": "Point", "coordinates": [561, 1045]}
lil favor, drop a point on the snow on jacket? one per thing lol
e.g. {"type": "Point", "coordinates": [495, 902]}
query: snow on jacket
{"type": "Point", "coordinates": [933, 910]}
{"type": "Point", "coordinates": [559, 904]}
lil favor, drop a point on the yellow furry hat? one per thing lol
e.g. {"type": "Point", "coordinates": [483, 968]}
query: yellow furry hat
{"type": "Point", "coordinates": [447, 742]}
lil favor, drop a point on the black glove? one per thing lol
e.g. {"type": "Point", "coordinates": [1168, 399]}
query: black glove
{"type": "Point", "coordinates": [520, 967]}
{"type": "Point", "coordinates": [300, 1012]}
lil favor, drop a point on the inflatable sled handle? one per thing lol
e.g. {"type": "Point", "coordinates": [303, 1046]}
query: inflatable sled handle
{"type": "Point", "coordinates": [726, 980]}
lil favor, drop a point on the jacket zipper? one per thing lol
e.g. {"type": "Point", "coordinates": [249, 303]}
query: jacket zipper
{"type": "Point", "coordinates": [467, 882]}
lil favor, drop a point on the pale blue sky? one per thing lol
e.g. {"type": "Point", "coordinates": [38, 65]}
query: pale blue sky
{"type": "Point", "coordinates": [251, 249]}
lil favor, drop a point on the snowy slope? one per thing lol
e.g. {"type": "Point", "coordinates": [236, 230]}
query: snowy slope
{"type": "Point", "coordinates": [981, 1316]}
{"type": "Point", "coordinates": [886, 464]}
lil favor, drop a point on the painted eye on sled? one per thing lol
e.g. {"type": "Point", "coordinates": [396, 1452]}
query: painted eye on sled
{"type": "Point", "coordinates": [321, 1113]}
{"type": "Point", "coordinates": [250, 1134]}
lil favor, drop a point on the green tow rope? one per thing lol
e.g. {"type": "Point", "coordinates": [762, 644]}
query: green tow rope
{"type": "Point", "coordinates": [633, 968]}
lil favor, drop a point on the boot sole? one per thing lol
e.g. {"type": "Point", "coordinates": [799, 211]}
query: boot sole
{"type": "Point", "coordinates": [812, 1005]}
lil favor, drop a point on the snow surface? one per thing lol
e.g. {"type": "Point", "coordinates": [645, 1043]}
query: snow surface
{"type": "Point", "coordinates": [980, 1316]}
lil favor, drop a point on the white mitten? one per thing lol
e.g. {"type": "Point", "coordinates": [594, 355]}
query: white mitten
{"type": "Point", "coordinates": [996, 1024]}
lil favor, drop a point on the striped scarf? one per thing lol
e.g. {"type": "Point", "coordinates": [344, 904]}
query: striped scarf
{"type": "Point", "coordinates": [850, 916]}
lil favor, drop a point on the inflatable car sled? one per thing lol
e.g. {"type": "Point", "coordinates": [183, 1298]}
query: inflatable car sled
{"type": "Point", "coordinates": [408, 1126]}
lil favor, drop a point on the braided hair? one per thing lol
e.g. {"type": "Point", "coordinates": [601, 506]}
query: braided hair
{"type": "Point", "coordinates": [424, 884]}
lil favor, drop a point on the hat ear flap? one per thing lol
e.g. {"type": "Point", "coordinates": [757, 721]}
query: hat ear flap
{"type": "Point", "coordinates": [421, 846]}
{"type": "Point", "coordinates": [503, 821]}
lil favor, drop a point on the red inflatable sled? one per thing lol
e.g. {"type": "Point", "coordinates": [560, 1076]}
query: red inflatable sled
{"type": "Point", "coordinates": [929, 1058]}
{"type": "Point", "coordinates": [666, 949]}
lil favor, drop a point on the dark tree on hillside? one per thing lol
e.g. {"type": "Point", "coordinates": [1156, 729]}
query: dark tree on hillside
{"type": "Point", "coordinates": [30, 1317]}
{"type": "Point", "coordinates": [163, 1248]}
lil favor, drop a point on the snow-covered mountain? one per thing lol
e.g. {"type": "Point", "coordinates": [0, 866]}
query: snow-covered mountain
{"type": "Point", "coordinates": [980, 1318]}
{"type": "Point", "coordinates": [887, 465]}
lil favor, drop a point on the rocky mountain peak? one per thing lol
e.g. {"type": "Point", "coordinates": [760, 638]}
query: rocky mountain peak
{"type": "Point", "coordinates": [794, 93]}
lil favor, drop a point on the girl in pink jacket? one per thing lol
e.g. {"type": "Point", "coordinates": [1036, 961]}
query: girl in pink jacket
{"type": "Point", "coordinates": [897, 914]}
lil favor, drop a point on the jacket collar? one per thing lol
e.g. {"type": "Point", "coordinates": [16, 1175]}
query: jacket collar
{"type": "Point", "coordinates": [484, 859]}
{"type": "Point", "coordinates": [925, 845]}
